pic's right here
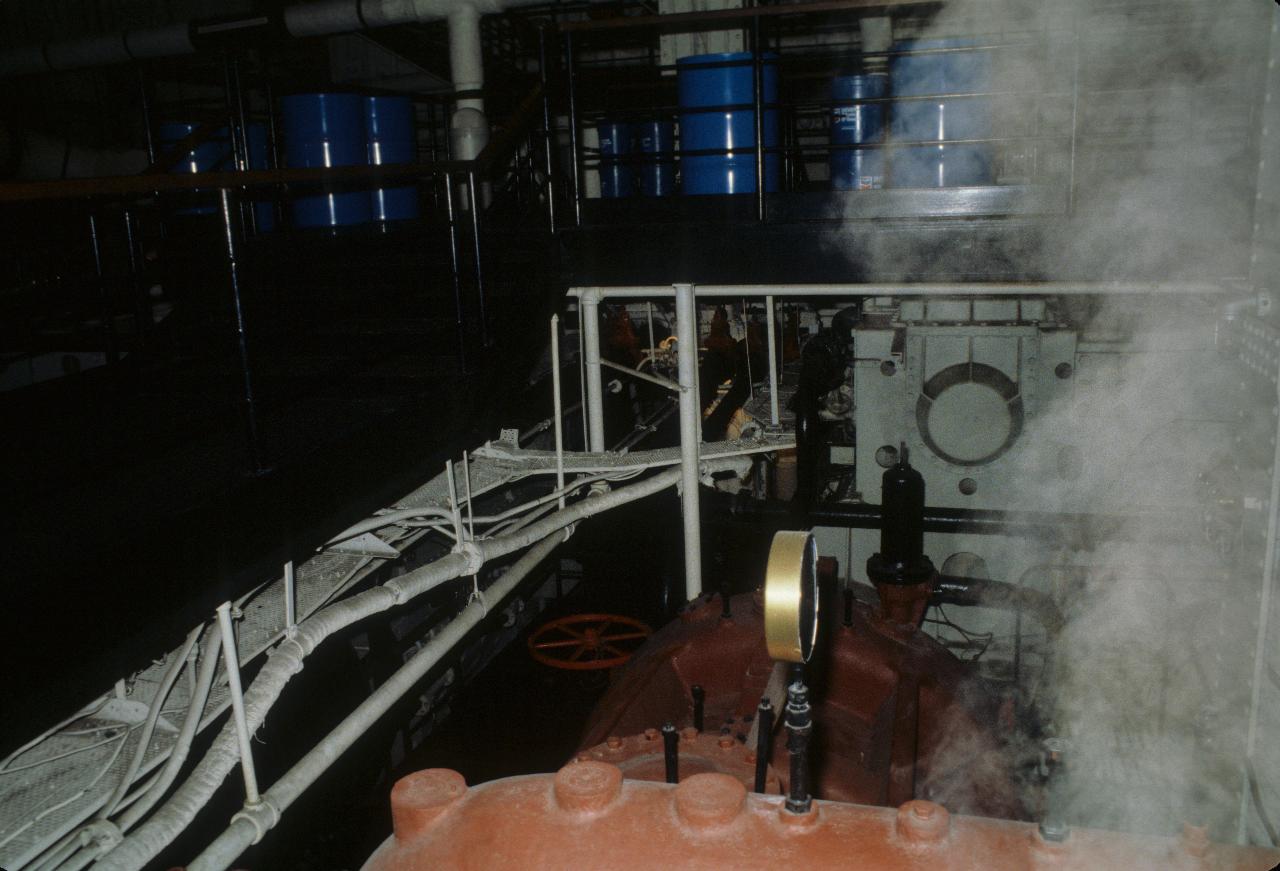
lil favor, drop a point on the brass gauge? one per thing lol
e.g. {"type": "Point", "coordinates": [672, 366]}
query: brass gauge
{"type": "Point", "coordinates": [791, 596]}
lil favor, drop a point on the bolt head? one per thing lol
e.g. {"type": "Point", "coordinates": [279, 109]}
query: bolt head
{"type": "Point", "coordinates": [588, 786]}
{"type": "Point", "coordinates": [709, 800]}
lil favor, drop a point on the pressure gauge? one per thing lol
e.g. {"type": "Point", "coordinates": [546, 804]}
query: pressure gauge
{"type": "Point", "coordinates": [791, 596]}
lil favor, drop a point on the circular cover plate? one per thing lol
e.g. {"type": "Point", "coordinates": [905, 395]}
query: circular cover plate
{"type": "Point", "coordinates": [791, 596]}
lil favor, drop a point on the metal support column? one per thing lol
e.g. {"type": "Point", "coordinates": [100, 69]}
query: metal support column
{"type": "Point", "coordinates": [233, 229]}
{"type": "Point", "coordinates": [771, 326]}
{"type": "Point", "coordinates": [690, 436]}
{"type": "Point", "coordinates": [589, 311]}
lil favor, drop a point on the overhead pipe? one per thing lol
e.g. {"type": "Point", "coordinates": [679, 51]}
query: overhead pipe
{"type": "Point", "coordinates": [234, 31]}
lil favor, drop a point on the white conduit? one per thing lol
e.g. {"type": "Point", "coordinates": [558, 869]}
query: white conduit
{"type": "Point", "coordinates": [690, 436]}
{"type": "Point", "coordinates": [286, 659]}
{"type": "Point", "coordinates": [248, 826]}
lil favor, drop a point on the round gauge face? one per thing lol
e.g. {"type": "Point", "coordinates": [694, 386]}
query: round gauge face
{"type": "Point", "coordinates": [791, 596]}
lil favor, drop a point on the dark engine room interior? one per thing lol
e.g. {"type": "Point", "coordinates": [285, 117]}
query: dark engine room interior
{"type": "Point", "coordinates": [620, 434]}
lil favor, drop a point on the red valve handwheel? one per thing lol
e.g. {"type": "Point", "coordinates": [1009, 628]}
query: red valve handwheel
{"type": "Point", "coordinates": [584, 642]}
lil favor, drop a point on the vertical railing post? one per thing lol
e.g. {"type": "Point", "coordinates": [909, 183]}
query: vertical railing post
{"type": "Point", "coordinates": [237, 127]}
{"type": "Point", "coordinates": [231, 661]}
{"type": "Point", "coordinates": [573, 131]}
{"type": "Point", "coordinates": [548, 135]}
{"type": "Point", "coordinates": [757, 59]}
{"type": "Point", "coordinates": [232, 228]}
{"type": "Point", "coordinates": [474, 195]}
{"type": "Point", "coordinates": [771, 326]}
{"type": "Point", "coordinates": [690, 436]}
{"type": "Point", "coordinates": [106, 298]}
{"type": "Point", "coordinates": [455, 267]}
{"type": "Point", "coordinates": [142, 312]}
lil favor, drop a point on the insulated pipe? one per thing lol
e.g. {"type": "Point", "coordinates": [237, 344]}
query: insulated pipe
{"type": "Point", "coordinates": [248, 826]}
{"type": "Point", "coordinates": [325, 18]}
{"type": "Point", "coordinates": [690, 436]}
{"type": "Point", "coordinates": [590, 314]}
{"type": "Point", "coordinates": [286, 659]}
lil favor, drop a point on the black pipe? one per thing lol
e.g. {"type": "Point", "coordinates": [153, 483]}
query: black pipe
{"type": "Point", "coordinates": [671, 752]}
{"type": "Point", "coordinates": [799, 728]}
{"type": "Point", "coordinates": [699, 706]}
{"type": "Point", "coordinates": [1081, 530]}
{"type": "Point", "coordinates": [764, 741]}
{"type": "Point", "coordinates": [954, 590]}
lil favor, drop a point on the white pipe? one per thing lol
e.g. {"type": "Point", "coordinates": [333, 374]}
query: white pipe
{"type": "Point", "coordinates": [290, 598]}
{"type": "Point", "coordinates": [286, 659]}
{"type": "Point", "coordinates": [466, 58]}
{"type": "Point", "coordinates": [1036, 288]}
{"type": "Point", "coordinates": [248, 826]}
{"type": "Point", "coordinates": [555, 398]}
{"type": "Point", "coordinates": [230, 658]}
{"type": "Point", "coordinates": [169, 40]}
{"type": "Point", "coordinates": [690, 435]}
{"type": "Point", "coordinates": [590, 306]}
{"type": "Point", "coordinates": [774, 417]}
{"type": "Point", "coordinates": [643, 376]}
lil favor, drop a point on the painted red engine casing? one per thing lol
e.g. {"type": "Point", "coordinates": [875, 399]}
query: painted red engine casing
{"type": "Point", "coordinates": [896, 715]}
{"type": "Point", "coordinates": [587, 817]}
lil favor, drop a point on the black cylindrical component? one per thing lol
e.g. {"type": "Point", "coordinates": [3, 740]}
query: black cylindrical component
{"type": "Point", "coordinates": [901, 558]}
{"type": "Point", "coordinates": [699, 699]}
{"type": "Point", "coordinates": [902, 500]}
{"type": "Point", "coordinates": [764, 741]}
{"type": "Point", "coordinates": [848, 606]}
{"type": "Point", "coordinates": [671, 752]}
{"type": "Point", "coordinates": [799, 727]}
{"type": "Point", "coordinates": [726, 611]}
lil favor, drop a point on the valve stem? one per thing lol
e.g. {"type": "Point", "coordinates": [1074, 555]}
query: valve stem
{"type": "Point", "coordinates": [799, 728]}
{"type": "Point", "coordinates": [764, 741]}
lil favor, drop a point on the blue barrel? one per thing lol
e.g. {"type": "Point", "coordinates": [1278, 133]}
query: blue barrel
{"type": "Point", "coordinates": [326, 130]}
{"type": "Point", "coordinates": [656, 141]}
{"type": "Point", "coordinates": [617, 178]}
{"type": "Point", "coordinates": [858, 169]}
{"type": "Point", "coordinates": [392, 138]}
{"type": "Point", "coordinates": [705, 81]}
{"type": "Point", "coordinates": [211, 155]}
{"type": "Point", "coordinates": [948, 72]}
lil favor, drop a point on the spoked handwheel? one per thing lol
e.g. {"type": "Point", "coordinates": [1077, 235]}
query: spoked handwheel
{"type": "Point", "coordinates": [585, 642]}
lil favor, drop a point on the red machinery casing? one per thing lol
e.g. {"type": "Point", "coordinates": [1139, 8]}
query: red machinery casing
{"type": "Point", "coordinates": [897, 716]}
{"type": "Point", "coordinates": [588, 817]}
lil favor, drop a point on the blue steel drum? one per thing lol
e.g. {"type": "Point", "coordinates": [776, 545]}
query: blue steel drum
{"type": "Point", "coordinates": [702, 85]}
{"type": "Point", "coordinates": [858, 169]}
{"type": "Point", "coordinates": [211, 155]}
{"type": "Point", "coordinates": [617, 179]}
{"type": "Point", "coordinates": [326, 130]}
{"type": "Point", "coordinates": [656, 140]}
{"type": "Point", "coordinates": [392, 138]}
{"type": "Point", "coordinates": [958, 117]}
